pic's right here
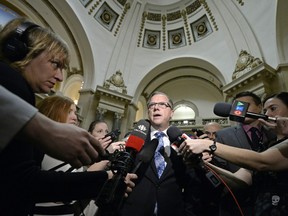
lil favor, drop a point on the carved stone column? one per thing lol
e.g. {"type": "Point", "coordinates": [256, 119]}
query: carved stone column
{"type": "Point", "coordinates": [100, 114]}
{"type": "Point", "coordinates": [117, 121]}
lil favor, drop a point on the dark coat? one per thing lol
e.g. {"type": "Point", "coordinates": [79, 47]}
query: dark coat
{"type": "Point", "coordinates": [22, 183]}
{"type": "Point", "coordinates": [168, 191]}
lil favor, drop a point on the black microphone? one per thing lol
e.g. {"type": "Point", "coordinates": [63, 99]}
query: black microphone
{"type": "Point", "coordinates": [176, 137]}
{"type": "Point", "coordinates": [238, 111]}
{"type": "Point", "coordinates": [146, 154]}
{"type": "Point", "coordinates": [112, 193]}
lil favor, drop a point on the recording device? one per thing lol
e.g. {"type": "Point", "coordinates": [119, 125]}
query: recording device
{"type": "Point", "coordinates": [16, 47]}
{"type": "Point", "coordinates": [238, 111]}
{"type": "Point", "coordinates": [113, 134]}
{"type": "Point", "coordinates": [111, 195]}
{"type": "Point", "coordinates": [197, 132]}
{"type": "Point", "coordinates": [176, 137]}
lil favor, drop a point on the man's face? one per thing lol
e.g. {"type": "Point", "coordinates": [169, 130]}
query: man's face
{"type": "Point", "coordinates": [252, 108]}
{"type": "Point", "coordinates": [211, 130]}
{"type": "Point", "coordinates": [160, 112]}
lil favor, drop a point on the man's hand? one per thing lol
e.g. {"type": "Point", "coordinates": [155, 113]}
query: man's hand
{"type": "Point", "coordinates": [129, 181]}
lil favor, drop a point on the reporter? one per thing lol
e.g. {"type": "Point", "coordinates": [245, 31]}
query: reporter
{"type": "Point", "coordinates": [271, 165]}
{"type": "Point", "coordinates": [274, 158]}
{"type": "Point", "coordinates": [31, 61]}
{"type": "Point", "coordinates": [99, 129]}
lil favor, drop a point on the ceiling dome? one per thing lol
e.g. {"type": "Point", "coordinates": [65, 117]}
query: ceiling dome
{"type": "Point", "coordinates": [162, 2]}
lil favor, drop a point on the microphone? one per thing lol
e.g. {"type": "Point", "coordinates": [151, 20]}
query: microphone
{"type": "Point", "coordinates": [176, 137]}
{"type": "Point", "coordinates": [238, 112]}
{"type": "Point", "coordinates": [146, 154]}
{"type": "Point", "coordinates": [112, 193]}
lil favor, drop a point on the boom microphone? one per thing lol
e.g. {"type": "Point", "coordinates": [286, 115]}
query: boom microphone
{"type": "Point", "coordinates": [238, 112]}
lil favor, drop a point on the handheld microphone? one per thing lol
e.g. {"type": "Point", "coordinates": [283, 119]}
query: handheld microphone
{"type": "Point", "coordinates": [176, 137]}
{"type": "Point", "coordinates": [238, 112]}
{"type": "Point", "coordinates": [112, 193]}
{"type": "Point", "coordinates": [146, 154]}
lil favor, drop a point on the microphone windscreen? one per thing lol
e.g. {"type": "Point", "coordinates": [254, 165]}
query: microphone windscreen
{"type": "Point", "coordinates": [138, 135]}
{"type": "Point", "coordinates": [148, 150]}
{"type": "Point", "coordinates": [222, 109]}
{"type": "Point", "coordinates": [174, 133]}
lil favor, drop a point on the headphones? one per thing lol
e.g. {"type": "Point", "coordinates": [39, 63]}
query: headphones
{"type": "Point", "coordinates": [16, 47]}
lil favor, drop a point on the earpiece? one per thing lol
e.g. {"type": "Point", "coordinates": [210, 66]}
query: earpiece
{"type": "Point", "coordinates": [16, 47]}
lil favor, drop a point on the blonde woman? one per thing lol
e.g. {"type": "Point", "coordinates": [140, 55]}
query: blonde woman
{"type": "Point", "coordinates": [32, 60]}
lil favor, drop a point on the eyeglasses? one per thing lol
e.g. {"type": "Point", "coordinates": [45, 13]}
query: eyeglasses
{"type": "Point", "coordinates": [161, 105]}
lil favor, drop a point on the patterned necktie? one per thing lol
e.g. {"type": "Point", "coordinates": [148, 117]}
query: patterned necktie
{"type": "Point", "coordinates": [158, 157]}
{"type": "Point", "coordinates": [255, 139]}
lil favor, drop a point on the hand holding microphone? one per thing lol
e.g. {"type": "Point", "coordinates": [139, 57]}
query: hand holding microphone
{"type": "Point", "coordinates": [238, 112]}
{"type": "Point", "coordinates": [178, 138]}
{"type": "Point", "coordinates": [111, 196]}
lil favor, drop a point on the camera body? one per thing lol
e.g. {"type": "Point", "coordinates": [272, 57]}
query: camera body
{"type": "Point", "coordinates": [197, 132]}
{"type": "Point", "coordinates": [113, 134]}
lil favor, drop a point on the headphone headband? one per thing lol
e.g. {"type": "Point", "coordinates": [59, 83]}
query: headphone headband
{"type": "Point", "coordinates": [16, 47]}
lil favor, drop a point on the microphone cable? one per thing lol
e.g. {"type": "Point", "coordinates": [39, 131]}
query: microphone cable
{"type": "Point", "coordinates": [228, 188]}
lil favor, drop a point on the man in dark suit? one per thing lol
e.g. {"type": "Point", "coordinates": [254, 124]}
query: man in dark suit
{"type": "Point", "coordinates": [159, 195]}
{"type": "Point", "coordinates": [241, 136]}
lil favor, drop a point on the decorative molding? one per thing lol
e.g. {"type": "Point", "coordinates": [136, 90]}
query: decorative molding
{"type": "Point", "coordinates": [201, 28]}
{"type": "Point", "coordinates": [106, 16]}
{"type": "Point", "coordinates": [94, 6]}
{"type": "Point", "coordinates": [144, 17]}
{"type": "Point", "coordinates": [186, 25]}
{"type": "Point", "coordinates": [245, 63]}
{"type": "Point", "coordinates": [85, 3]}
{"type": "Point", "coordinates": [258, 80]}
{"type": "Point", "coordinates": [193, 7]}
{"type": "Point", "coordinates": [126, 8]}
{"type": "Point", "coordinates": [164, 18]}
{"type": "Point", "coordinates": [176, 38]}
{"type": "Point", "coordinates": [122, 2]}
{"type": "Point", "coordinates": [206, 7]}
{"type": "Point", "coordinates": [173, 16]}
{"type": "Point", "coordinates": [153, 17]}
{"type": "Point", "coordinates": [112, 100]}
{"type": "Point", "coordinates": [240, 2]}
{"type": "Point", "coordinates": [116, 83]}
{"type": "Point", "coordinates": [151, 39]}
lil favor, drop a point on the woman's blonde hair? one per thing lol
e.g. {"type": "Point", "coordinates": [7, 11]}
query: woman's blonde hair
{"type": "Point", "coordinates": [38, 40]}
{"type": "Point", "coordinates": [56, 107]}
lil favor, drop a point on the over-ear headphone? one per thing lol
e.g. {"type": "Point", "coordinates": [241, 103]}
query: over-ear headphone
{"type": "Point", "coordinates": [16, 47]}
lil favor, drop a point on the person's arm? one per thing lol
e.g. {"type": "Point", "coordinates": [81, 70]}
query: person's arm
{"type": "Point", "coordinates": [15, 113]}
{"type": "Point", "coordinates": [63, 141]}
{"type": "Point", "coordinates": [274, 158]}
{"type": "Point", "coordinates": [240, 179]}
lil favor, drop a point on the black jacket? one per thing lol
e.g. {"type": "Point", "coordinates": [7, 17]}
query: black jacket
{"type": "Point", "coordinates": [22, 183]}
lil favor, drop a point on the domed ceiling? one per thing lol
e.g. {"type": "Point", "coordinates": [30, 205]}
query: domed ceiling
{"type": "Point", "coordinates": [164, 24]}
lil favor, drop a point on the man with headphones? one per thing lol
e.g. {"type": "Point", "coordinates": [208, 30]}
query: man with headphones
{"type": "Point", "coordinates": [32, 59]}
